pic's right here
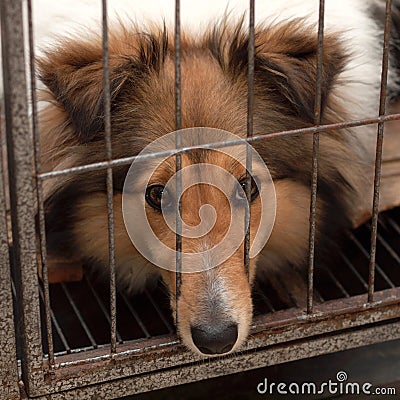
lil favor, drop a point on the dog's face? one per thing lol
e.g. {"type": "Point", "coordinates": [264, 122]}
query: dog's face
{"type": "Point", "coordinates": [214, 307]}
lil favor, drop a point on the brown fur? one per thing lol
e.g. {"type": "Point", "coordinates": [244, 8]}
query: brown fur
{"type": "Point", "coordinates": [214, 94]}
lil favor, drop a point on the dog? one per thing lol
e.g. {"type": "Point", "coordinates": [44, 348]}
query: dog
{"type": "Point", "coordinates": [214, 307]}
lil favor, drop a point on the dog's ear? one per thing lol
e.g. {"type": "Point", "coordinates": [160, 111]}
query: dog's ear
{"type": "Point", "coordinates": [73, 72]}
{"type": "Point", "coordinates": [286, 64]}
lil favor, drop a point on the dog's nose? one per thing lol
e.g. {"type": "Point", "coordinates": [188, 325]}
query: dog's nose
{"type": "Point", "coordinates": [215, 339]}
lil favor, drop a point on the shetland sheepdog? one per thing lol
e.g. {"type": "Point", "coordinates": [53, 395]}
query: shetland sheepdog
{"type": "Point", "coordinates": [214, 307]}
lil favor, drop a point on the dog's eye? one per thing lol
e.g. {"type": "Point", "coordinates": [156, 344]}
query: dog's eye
{"type": "Point", "coordinates": [154, 194]}
{"type": "Point", "coordinates": [254, 190]}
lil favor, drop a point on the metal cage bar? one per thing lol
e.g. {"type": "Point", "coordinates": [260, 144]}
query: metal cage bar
{"type": "Point", "coordinates": [8, 352]}
{"type": "Point", "coordinates": [249, 134]}
{"type": "Point", "coordinates": [389, 249]}
{"type": "Point", "coordinates": [110, 189]}
{"type": "Point", "coordinates": [379, 149]}
{"type": "Point", "coordinates": [57, 327]}
{"type": "Point", "coordinates": [159, 312]}
{"type": "Point", "coordinates": [82, 322]}
{"type": "Point", "coordinates": [136, 317]}
{"type": "Point", "coordinates": [367, 256]}
{"type": "Point", "coordinates": [315, 156]}
{"type": "Point", "coordinates": [178, 156]}
{"type": "Point", "coordinates": [22, 190]}
{"type": "Point", "coordinates": [103, 309]}
{"type": "Point", "coordinates": [39, 185]}
{"type": "Point", "coordinates": [395, 226]}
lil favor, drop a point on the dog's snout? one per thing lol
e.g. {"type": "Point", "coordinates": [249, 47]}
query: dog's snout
{"type": "Point", "coordinates": [215, 339]}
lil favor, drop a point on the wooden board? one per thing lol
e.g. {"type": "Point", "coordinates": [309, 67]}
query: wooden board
{"type": "Point", "coordinates": [62, 269]}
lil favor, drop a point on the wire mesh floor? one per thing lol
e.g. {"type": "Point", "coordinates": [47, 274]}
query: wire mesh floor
{"type": "Point", "coordinates": [80, 310]}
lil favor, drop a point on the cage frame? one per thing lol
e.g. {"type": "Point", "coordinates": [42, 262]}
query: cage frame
{"type": "Point", "coordinates": [9, 376]}
{"type": "Point", "coordinates": [121, 369]}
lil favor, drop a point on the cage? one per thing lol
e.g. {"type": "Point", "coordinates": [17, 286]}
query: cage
{"type": "Point", "coordinates": [69, 339]}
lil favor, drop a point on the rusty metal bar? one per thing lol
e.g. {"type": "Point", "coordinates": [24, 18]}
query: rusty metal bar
{"type": "Point", "coordinates": [102, 307]}
{"type": "Point", "coordinates": [22, 190]}
{"type": "Point", "coordinates": [337, 283]}
{"type": "Point", "coordinates": [314, 179]}
{"type": "Point", "coordinates": [393, 254]}
{"type": "Point", "coordinates": [178, 157]}
{"type": "Point", "coordinates": [389, 249]}
{"type": "Point", "coordinates": [354, 271]}
{"type": "Point", "coordinates": [78, 315]}
{"type": "Point", "coordinates": [289, 133]}
{"type": "Point", "coordinates": [377, 266]}
{"type": "Point", "coordinates": [249, 134]}
{"type": "Point", "coordinates": [159, 312]}
{"type": "Point", "coordinates": [39, 186]}
{"type": "Point", "coordinates": [57, 326]}
{"type": "Point", "coordinates": [110, 189]}
{"type": "Point", "coordinates": [379, 150]}
{"type": "Point", "coordinates": [136, 316]}
{"type": "Point", "coordinates": [394, 225]}
{"type": "Point", "coordinates": [8, 353]}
